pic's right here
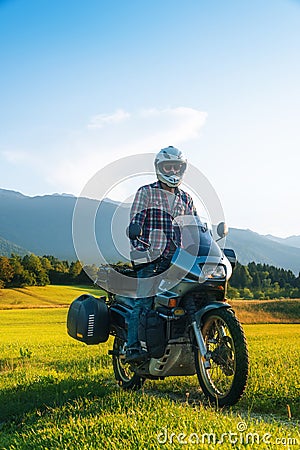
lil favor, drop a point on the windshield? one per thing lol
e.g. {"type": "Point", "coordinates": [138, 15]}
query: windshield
{"type": "Point", "coordinates": [196, 238]}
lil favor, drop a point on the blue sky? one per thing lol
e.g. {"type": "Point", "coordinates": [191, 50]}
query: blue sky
{"type": "Point", "coordinates": [85, 83]}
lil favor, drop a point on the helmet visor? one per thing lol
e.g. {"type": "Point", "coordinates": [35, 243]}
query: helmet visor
{"type": "Point", "coordinates": [171, 167]}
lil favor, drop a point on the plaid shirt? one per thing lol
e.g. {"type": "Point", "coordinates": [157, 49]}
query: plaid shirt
{"type": "Point", "coordinates": [153, 210]}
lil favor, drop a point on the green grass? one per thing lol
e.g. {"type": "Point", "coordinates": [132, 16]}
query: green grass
{"type": "Point", "coordinates": [43, 296]}
{"type": "Point", "coordinates": [248, 311]}
{"type": "Point", "coordinates": [267, 311]}
{"type": "Point", "coordinates": [57, 393]}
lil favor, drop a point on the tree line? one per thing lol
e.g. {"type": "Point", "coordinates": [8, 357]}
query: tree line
{"type": "Point", "coordinates": [249, 281]}
{"type": "Point", "coordinates": [263, 281]}
{"type": "Point", "coordinates": [32, 270]}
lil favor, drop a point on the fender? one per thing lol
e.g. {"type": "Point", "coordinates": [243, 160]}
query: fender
{"type": "Point", "coordinates": [211, 306]}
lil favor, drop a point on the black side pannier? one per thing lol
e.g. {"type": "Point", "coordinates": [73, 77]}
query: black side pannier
{"type": "Point", "coordinates": [152, 333]}
{"type": "Point", "coordinates": [88, 319]}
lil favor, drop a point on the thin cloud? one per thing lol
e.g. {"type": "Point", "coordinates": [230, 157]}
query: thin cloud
{"type": "Point", "coordinates": [146, 130]}
{"type": "Point", "coordinates": [176, 125]}
{"type": "Point", "coordinates": [101, 120]}
{"type": "Point", "coordinates": [66, 164]}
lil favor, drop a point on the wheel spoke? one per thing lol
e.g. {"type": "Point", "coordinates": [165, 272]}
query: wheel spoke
{"type": "Point", "coordinates": [220, 375]}
{"type": "Point", "coordinates": [124, 373]}
{"type": "Point", "coordinates": [225, 380]}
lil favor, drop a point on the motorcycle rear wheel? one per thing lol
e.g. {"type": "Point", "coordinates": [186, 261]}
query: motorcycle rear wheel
{"type": "Point", "coordinates": [124, 374]}
{"type": "Point", "coordinates": [225, 381]}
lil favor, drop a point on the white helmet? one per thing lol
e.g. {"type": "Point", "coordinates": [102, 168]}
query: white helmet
{"type": "Point", "coordinates": [170, 166]}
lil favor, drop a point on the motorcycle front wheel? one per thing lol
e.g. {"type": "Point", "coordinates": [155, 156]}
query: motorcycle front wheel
{"type": "Point", "coordinates": [124, 374]}
{"type": "Point", "coordinates": [224, 382]}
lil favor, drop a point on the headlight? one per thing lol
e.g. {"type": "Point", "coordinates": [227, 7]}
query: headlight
{"type": "Point", "coordinates": [213, 271]}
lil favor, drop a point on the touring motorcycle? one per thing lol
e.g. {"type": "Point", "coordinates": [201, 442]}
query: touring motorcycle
{"type": "Point", "coordinates": [190, 330]}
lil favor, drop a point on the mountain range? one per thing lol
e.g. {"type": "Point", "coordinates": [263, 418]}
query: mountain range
{"type": "Point", "coordinates": [291, 241]}
{"type": "Point", "coordinates": [43, 225]}
{"type": "Point", "coordinates": [250, 246]}
{"type": "Point", "coordinates": [7, 248]}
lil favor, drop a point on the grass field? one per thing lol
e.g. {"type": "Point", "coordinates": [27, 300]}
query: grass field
{"type": "Point", "coordinates": [43, 296]}
{"type": "Point", "coordinates": [248, 311]}
{"type": "Point", "coordinates": [267, 311]}
{"type": "Point", "coordinates": [57, 393]}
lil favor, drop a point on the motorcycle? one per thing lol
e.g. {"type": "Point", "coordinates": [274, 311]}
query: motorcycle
{"type": "Point", "coordinates": [190, 330]}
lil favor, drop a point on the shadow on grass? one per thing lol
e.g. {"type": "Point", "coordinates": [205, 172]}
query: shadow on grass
{"type": "Point", "coordinates": [46, 393]}
{"type": "Point", "coordinates": [37, 397]}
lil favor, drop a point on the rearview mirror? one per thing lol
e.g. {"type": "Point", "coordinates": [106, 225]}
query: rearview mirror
{"type": "Point", "coordinates": [222, 229]}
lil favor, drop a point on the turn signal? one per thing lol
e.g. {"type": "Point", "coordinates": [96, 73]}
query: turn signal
{"type": "Point", "coordinates": [172, 303]}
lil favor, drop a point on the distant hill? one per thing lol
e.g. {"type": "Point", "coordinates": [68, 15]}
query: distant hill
{"type": "Point", "coordinates": [6, 193]}
{"type": "Point", "coordinates": [292, 241]}
{"type": "Point", "coordinates": [43, 225]}
{"type": "Point", "coordinates": [7, 248]}
{"type": "Point", "coordinates": [250, 246]}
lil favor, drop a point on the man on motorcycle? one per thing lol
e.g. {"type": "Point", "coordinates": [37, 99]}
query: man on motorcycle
{"type": "Point", "coordinates": [154, 208]}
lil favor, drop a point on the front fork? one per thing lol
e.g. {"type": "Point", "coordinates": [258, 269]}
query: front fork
{"type": "Point", "coordinates": [205, 355]}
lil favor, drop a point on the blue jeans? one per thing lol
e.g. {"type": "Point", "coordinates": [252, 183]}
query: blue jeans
{"type": "Point", "coordinates": [144, 301]}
